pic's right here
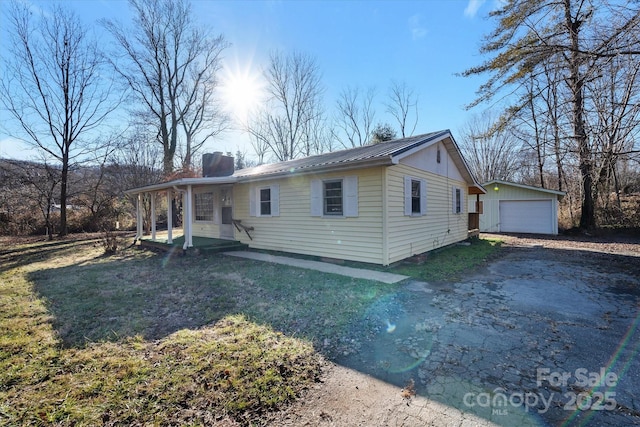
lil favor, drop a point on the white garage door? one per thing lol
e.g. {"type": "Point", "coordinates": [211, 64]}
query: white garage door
{"type": "Point", "coordinates": [526, 216]}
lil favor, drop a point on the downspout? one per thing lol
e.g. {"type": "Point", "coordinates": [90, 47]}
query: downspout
{"type": "Point", "coordinates": [153, 216]}
{"type": "Point", "coordinates": [169, 217]}
{"type": "Point", "coordinates": [188, 241]}
{"type": "Point", "coordinates": [385, 218]}
{"type": "Point", "coordinates": [138, 219]}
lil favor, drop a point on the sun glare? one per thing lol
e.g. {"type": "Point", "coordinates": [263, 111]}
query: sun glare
{"type": "Point", "coordinates": [242, 92]}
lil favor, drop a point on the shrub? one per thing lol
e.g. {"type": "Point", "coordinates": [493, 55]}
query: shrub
{"type": "Point", "coordinates": [110, 242]}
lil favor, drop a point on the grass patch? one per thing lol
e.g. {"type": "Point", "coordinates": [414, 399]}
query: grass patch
{"type": "Point", "coordinates": [450, 263]}
{"type": "Point", "coordinates": [140, 338]}
{"type": "Point", "coordinates": [443, 264]}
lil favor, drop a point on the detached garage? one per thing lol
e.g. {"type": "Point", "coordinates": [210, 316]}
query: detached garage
{"type": "Point", "coordinates": [516, 208]}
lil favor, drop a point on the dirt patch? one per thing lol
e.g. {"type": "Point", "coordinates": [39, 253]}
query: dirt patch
{"type": "Point", "coordinates": [620, 244]}
{"type": "Point", "coordinates": [346, 397]}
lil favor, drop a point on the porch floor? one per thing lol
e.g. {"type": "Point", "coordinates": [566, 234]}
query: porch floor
{"type": "Point", "coordinates": [206, 244]}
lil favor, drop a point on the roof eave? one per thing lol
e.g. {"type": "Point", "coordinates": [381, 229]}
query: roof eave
{"type": "Point", "coordinates": [419, 145]}
{"type": "Point", "coordinates": [561, 194]}
{"type": "Point", "coordinates": [477, 189]}
{"type": "Point", "coordinates": [182, 182]}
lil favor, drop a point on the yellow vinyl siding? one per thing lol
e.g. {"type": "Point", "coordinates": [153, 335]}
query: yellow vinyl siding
{"type": "Point", "coordinates": [411, 235]}
{"type": "Point", "coordinates": [206, 229]}
{"type": "Point", "coordinates": [295, 230]}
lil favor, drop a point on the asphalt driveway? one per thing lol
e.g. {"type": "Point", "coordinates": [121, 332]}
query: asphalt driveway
{"type": "Point", "coordinates": [540, 337]}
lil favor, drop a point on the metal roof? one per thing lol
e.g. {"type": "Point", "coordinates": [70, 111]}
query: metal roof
{"type": "Point", "coordinates": [385, 153]}
{"type": "Point", "coordinates": [488, 184]}
{"type": "Point", "coordinates": [382, 151]}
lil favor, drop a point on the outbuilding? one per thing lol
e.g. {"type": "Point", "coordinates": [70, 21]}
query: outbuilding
{"type": "Point", "coordinates": [508, 207]}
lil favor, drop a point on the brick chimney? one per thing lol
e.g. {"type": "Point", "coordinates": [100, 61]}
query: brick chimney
{"type": "Point", "coordinates": [217, 165]}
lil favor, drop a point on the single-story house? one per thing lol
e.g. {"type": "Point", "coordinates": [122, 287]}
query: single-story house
{"type": "Point", "coordinates": [508, 207]}
{"type": "Point", "coordinates": [376, 204]}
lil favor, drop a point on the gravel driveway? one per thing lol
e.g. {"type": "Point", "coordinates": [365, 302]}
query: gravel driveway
{"type": "Point", "coordinates": [546, 335]}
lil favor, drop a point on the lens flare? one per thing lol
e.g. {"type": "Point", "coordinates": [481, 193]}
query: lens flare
{"type": "Point", "coordinates": [390, 327]}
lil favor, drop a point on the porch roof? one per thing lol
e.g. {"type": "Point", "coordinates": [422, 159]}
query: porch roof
{"type": "Point", "coordinates": [183, 182]}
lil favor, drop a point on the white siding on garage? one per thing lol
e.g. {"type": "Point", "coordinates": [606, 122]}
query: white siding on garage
{"type": "Point", "coordinates": [526, 216]}
{"type": "Point", "coordinates": [541, 202]}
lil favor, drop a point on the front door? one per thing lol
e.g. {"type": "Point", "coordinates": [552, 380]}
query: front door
{"type": "Point", "coordinates": [226, 213]}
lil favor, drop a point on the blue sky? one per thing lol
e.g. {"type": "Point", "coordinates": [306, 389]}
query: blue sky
{"type": "Point", "coordinates": [356, 43]}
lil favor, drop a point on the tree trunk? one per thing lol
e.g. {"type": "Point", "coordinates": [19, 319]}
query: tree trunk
{"type": "Point", "coordinates": [539, 142]}
{"type": "Point", "coordinates": [186, 164]}
{"type": "Point", "coordinates": [167, 162]}
{"type": "Point", "coordinates": [63, 194]}
{"type": "Point", "coordinates": [556, 144]}
{"type": "Point", "coordinates": [576, 84]}
{"type": "Point", "coordinates": [47, 221]}
{"type": "Point", "coordinates": [540, 163]}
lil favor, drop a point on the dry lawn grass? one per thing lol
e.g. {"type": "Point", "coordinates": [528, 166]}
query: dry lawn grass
{"type": "Point", "coordinates": [84, 342]}
{"type": "Point", "coordinates": [142, 338]}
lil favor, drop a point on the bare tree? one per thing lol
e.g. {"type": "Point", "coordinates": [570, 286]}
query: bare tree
{"type": "Point", "coordinates": [203, 116]}
{"type": "Point", "coordinates": [317, 137]}
{"type": "Point", "coordinates": [293, 111]}
{"type": "Point", "coordinates": [615, 122]}
{"type": "Point", "coordinates": [403, 102]}
{"type": "Point", "coordinates": [258, 142]}
{"type": "Point", "coordinates": [355, 117]}
{"type": "Point", "coordinates": [491, 153]}
{"type": "Point", "coordinates": [54, 86]}
{"type": "Point", "coordinates": [171, 64]}
{"type": "Point", "coordinates": [530, 128]}
{"type": "Point", "coordinates": [40, 182]}
{"type": "Point", "coordinates": [136, 164]}
{"type": "Point", "coordinates": [557, 114]}
{"type": "Point", "coordinates": [96, 190]}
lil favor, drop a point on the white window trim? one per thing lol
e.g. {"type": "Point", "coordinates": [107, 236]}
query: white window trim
{"type": "Point", "coordinates": [454, 203]}
{"type": "Point", "coordinates": [324, 198]}
{"type": "Point", "coordinates": [213, 207]}
{"type": "Point", "coordinates": [408, 199]}
{"type": "Point", "coordinates": [255, 202]}
{"type": "Point", "coordinates": [259, 201]}
{"type": "Point", "coordinates": [349, 197]}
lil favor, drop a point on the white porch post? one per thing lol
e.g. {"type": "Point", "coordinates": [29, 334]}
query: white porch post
{"type": "Point", "coordinates": [185, 219]}
{"type": "Point", "coordinates": [139, 216]}
{"type": "Point", "coordinates": [153, 216]}
{"type": "Point", "coordinates": [169, 217]}
{"type": "Point", "coordinates": [189, 236]}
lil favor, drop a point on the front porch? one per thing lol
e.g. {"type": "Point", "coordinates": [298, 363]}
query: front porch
{"type": "Point", "coordinates": [205, 204]}
{"type": "Point", "coordinates": [203, 244]}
